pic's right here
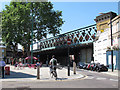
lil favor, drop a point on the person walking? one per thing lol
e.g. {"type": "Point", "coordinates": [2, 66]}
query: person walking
{"type": "Point", "coordinates": [2, 65]}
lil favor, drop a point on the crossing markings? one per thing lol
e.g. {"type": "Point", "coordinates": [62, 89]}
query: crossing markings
{"type": "Point", "coordinates": [114, 80]}
{"type": "Point", "coordinates": [100, 78]}
{"type": "Point", "coordinates": [89, 77]}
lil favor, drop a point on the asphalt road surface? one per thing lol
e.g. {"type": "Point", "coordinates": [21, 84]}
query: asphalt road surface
{"type": "Point", "coordinates": [92, 80]}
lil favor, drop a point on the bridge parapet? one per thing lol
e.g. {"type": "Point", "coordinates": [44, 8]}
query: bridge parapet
{"type": "Point", "coordinates": [78, 37]}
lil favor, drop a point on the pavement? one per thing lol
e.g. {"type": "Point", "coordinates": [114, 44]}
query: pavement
{"type": "Point", "coordinates": [30, 74]}
{"type": "Point", "coordinates": [27, 74]}
{"type": "Point", "coordinates": [114, 73]}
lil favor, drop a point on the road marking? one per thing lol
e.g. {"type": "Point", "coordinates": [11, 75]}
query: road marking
{"type": "Point", "coordinates": [101, 78]}
{"type": "Point", "coordinates": [114, 80]}
{"type": "Point", "coordinates": [89, 77]}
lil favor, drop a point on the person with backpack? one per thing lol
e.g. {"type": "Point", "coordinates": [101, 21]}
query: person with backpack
{"type": "Point", "coordinates": [53, 64]}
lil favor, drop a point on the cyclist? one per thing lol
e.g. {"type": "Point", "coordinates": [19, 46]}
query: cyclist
{"type": "Point", "coordinates": [53, 64]}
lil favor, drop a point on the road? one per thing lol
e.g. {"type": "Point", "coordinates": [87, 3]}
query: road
{"type": "Point", "coordinates": [92, 80]}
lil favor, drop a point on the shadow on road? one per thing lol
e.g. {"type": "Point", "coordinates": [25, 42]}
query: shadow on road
{"type": "Point", "coordinates": [18, 75]}
{"type": "Point", "coordinates": [61, 78]}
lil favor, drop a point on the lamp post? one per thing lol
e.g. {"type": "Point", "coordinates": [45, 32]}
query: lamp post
{"type": "Point", "coordinates": [111, 40]}
{"type": "Point", "coordinates": [32, 38]}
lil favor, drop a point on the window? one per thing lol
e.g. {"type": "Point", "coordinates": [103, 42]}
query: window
{"type": "Point", "coordinates": [99, 54]}
{"type": "Point", "coordinates": [104, 39]}
{"type": "Point", "coordinates": [2, 55]}
{"type": "Point", "coordinates": [99, 50]}
{"type": "Point", "coordinates": [2, 50]}
{"type": "Point", "coordinates": [99, 41]}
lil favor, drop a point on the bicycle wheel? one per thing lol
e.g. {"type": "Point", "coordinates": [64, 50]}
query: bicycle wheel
{"type": "Point", "coordinates": [55, 75]}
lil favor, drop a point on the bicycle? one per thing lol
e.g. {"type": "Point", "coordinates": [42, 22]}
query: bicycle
{"type": "Point", "coordinates": [53, 72]}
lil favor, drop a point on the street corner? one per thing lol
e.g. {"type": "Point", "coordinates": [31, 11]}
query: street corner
{"type": "Point", "coordinates": [67, 78]}
{"type": "Point", "coordinates": [72, 77]}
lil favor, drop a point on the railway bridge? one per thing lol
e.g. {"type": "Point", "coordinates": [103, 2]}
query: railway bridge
{"type": "Point", "coordinates": [81, 46]}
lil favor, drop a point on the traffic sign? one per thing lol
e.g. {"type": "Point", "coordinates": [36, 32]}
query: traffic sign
{"type": "Point", "coordinates": [68, 41]}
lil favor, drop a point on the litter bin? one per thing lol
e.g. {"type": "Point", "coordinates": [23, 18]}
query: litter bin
{"type": "Point", "coordinates": [7, 70]}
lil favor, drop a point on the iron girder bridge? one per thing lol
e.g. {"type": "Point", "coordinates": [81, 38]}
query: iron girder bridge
{"type": "Point", "coordinates": [79, 37]}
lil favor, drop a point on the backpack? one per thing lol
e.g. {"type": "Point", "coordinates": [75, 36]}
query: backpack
{"type": "Point", "coordinates": [54, 62]}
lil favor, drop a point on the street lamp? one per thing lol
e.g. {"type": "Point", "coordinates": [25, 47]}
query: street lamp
{"type": "Point", "coordinates": [111, 40]}
{"type": "Point", "coordinates": [32, 38]}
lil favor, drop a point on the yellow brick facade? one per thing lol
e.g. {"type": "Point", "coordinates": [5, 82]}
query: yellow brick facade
{"type": "Point", "coordinates": [103, 20]}
{"type": "Point", "coordinates": [101, 26]}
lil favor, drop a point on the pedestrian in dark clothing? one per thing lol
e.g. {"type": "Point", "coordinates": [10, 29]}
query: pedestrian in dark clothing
{"type": "Point", "coordinates": [2, 65]}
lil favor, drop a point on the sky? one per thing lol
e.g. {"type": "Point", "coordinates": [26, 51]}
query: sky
{"type": "Point", "coordinates": [79, 14]}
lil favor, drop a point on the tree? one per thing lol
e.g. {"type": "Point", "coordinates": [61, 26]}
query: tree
{"type": "Point", "coordinates": [17, 22]}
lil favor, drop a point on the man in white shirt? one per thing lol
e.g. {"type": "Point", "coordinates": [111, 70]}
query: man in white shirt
{"type": "Point", "coordinates": [53, 63]}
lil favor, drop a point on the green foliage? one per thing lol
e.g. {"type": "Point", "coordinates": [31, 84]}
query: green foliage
{"type": "Point", "coordinates": [17, 22]}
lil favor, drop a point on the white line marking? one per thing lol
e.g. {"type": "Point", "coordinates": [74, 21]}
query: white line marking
{"type": "Point", "coordinates": [101, 78]}
{"type": "Point", "coordinates": [89, 77]}
{"type": "Point", "coordinates": [114, 80]}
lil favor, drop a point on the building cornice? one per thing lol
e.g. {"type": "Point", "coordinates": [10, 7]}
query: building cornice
{"type": "Point", "coordinates": [114, 19]}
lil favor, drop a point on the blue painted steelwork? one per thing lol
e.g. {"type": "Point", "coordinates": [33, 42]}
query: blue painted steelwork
{"type": "Point", "coordinates": [116, 62]}
{"type": "Point", "coordinates": [78, 37]}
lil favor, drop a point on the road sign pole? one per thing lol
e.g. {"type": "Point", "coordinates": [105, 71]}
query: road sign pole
{"type": "Point", "coordinates": [68, 62]}
{"type": "Point", "coordinates": [68, 42]}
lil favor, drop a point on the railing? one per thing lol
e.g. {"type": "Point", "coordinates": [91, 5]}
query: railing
{"type": "Point", "coordinates": [78, 37]}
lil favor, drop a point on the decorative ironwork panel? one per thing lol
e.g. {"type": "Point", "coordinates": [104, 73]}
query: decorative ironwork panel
{"type": "Point", "coordinates": [79, 36]}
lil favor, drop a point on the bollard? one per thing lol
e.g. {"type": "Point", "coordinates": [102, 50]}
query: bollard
{"type": "Point", "coordinates": [38, 72]}
{"type": "Point", "coordinates": [7, 70]}
{"type": "Point", "coordinates": [74, 67]}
